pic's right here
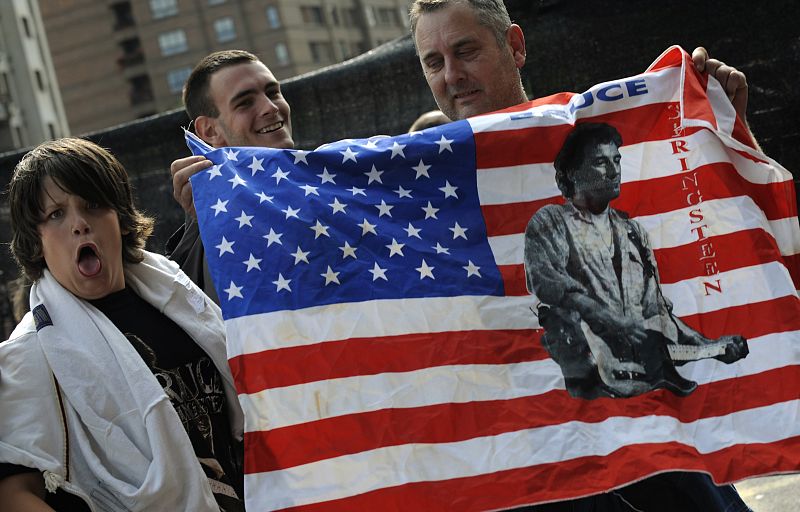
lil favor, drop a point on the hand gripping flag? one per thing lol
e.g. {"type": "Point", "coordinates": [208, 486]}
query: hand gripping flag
{"type": "Point", "coordinates": [386, 350]}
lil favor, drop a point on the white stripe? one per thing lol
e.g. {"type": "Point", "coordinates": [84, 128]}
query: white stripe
{"type": "Point", "coordinates": [674, 229]}
{"type": "Point", "coordinates": [722, 107]}
{"type": "Point", "coordinates": [397, 465]}
{"type": "Point", "coordinates": [720, 217]}
{"type": "Point", "coordinates": [740, 286]}
{"type": "Point", "coordinates": [302, 403]}
{"type": "Point", "coordinates": [517, 184]}
{"type": "Point", "coordinates": [643, 161]}
{"type": "Point", "coordinates": [377, 318]}
{"type": "Point", "coordinates": [662, 86]}
{"type": "Point", "coordinates": [473, 313]}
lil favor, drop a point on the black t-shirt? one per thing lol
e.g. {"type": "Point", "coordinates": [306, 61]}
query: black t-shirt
{"type": "Point", "coordinates": [193, 385]}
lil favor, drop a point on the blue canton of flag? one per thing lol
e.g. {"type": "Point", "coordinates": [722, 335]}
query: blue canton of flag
{"type": "Point", "coordinates": [354, 220]}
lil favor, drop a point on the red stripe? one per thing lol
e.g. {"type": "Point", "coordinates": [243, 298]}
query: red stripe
{"type": "Point", "coordinates": [570, 479]}
{"type": "Point", "coordinates": [672, 58]}
{"type": "Point", "coordinates": [540, 144]}
{"type": "Point", "coordinates": [514, 280]}
{"type": "Point", "coordinates": [695, 99]}
{"type": "Point", "coordinates": [792, 262]}
{"type": "Point", "coordinates": [716, 254]}
{"type": "Point", "coordinates": [446, 423]}
{"type": "Point", "coordinates": [664, 194]}
{"type": "Point", "coordinates": [370, 356]}
{"type": "Point", "coordinates": [749, 320]}
{"type": "Point", "coordinates": [714, 181]}
{"type": "Point", "coordinates": [510, 219]}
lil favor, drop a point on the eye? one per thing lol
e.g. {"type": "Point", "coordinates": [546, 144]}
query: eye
{"type": "Point", "coordinates": [244, 103]}
{"type": "Point", "coordinates": [92, 205]}
{"type": "Point", "coordinates": [433, 64]}
{"type": "Point", "coordinates": [56, 214]}
{"type": "Point", "coordinates": [466, 53]}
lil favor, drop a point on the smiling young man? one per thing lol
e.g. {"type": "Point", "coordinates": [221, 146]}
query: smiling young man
{"type": "Point", "coordinates": [115, 393]}
{"type": "Point", "coordinates": [233, 99]}
{"type": "Point", "coordinates": [471, 53]}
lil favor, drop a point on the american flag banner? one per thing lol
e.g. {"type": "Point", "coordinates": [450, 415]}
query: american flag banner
{"type": "Point", "coordinates": [385, 347]}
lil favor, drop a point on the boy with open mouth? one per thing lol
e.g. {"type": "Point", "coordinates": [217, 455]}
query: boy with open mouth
{"type": "Point", "coordinates": [115, 392]}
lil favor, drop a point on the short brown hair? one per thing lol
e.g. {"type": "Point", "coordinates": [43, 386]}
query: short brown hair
{"type": "Point", "coordinates": [196, 100]}
{"type": "Point", "coordinates": [492, 14]}
{"type": "Point", "coordinates": [81, 168]}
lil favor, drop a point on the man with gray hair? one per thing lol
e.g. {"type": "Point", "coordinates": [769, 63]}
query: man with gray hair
{"type": "Point", "coordinates": [471, 53]}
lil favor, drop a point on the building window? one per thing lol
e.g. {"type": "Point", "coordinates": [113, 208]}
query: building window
{"type": "Point", "coordinates": [312, 15]}
{"type": "Point", "coordinates": [335, 15]}
{"type": "Point", "coordinates": [385, 16]}
{"type": "Point", "coordinates": [52, 129]}
{"type": "Point", "coordinates": [5, 91]}
{"type": "Point", "coordinates": [163, 8]}
{"type": "Point", "coordinates": [141, 90]}
{"type": "Point", "coordinates": [321, 52]}
{"type": "Point", "coordinates": [172, 42]}
{"type": "Point", "coordinates": [225, 29]}
{"type": "Point", "coordinates": [132, 53]}
{"type": "Point", "coordinates": [177, 77]}
{"type": "Point", "coordinates": [273, 17]}
{"type": "Point", "coordinates": [349, 17]}
{"type": "Point", "coordinates": [282, 54]}
{"type": "Point", "coordinates": [123, 16]}
{"type": "Point", "coordinates": [39, 80]}
{"type": "Point", "coordinates": [26, 26]}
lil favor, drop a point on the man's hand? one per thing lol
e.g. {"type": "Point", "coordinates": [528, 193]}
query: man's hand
{"type": "Point", "coordinates": [733, 81]}
{"type": "Point", "coordinates": [735, 349]}
{"type": "Point", "coordinates": [610, 326]}
{"type": "Point", "coordinates": [181, 170]}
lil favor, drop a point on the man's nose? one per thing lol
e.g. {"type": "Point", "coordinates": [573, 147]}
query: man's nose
{"type": "Point", "coordinates": [267, 106]}
{"type": "Point", "coordinates": [453, 71]}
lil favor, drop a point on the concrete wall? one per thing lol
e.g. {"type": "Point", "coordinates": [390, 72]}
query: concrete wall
{"type": "Point", "coordinates": [571, 46]}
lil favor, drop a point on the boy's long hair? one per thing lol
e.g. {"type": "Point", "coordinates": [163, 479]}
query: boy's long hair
{"type": "Point", "coordinates": [81, 168]}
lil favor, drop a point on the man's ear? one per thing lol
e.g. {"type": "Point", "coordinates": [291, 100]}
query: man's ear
{"type": "Point", "coordinates": [516, 41]}
{"type": "Point", "coordinates": [207, 129]}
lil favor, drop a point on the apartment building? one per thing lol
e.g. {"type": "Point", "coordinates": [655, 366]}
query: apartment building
{"type": "Point", "coordinates": [118, 60]}
{"type": "Point", "coordinates": [30, 103]}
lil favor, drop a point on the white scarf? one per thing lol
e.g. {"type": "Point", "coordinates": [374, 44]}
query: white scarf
{"type": "Point", "coordinates": [125, 433]}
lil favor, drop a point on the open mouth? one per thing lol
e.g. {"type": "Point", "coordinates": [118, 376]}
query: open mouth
{"type": "Point", "coordinates": [89, 264]}
{"type": "Point", "coordinates": [271, 128]}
